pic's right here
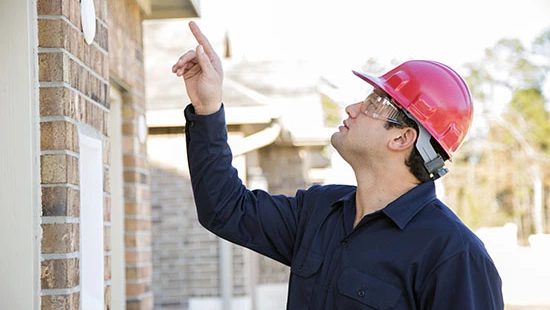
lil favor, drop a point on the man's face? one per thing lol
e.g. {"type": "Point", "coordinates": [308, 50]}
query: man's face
{"type": "Point", "coordinates": [361, 136]}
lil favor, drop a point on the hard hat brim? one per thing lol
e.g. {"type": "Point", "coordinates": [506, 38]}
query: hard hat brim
{"type": "Point", "coordinates": [377, 83]}
{"type": "Point", "coordinates": [374, 81]}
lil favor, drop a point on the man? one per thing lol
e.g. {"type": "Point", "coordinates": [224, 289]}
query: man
{"type": "Point", "coordinates": [387, 243]}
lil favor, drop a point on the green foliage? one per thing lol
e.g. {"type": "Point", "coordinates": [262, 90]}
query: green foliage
{"type": "Point", "coordinates": [476, 80]}
{"type": "Point", "coordinates": [492, 179]}
{"type": "Point", "coordinates": [527, 113]}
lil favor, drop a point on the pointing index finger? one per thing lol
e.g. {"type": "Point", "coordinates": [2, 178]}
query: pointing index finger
{"type": "Point", "coordinates": [201, 38]}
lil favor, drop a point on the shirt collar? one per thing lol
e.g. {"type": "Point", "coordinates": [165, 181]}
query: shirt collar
{"type": "Point", "coordinates": [345, 198]}
{"type": "Point", "coordinates": [404, 208]}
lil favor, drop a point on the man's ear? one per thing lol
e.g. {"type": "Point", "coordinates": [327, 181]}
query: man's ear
{"type": "Point", "coordinates": [404, 138]}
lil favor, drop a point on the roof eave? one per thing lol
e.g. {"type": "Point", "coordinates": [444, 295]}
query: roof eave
{"type": "Point", "coordinates": [167, 9]}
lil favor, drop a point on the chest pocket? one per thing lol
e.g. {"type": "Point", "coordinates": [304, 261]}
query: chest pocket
{"type": "Point", "coordinates": [304, 270]}
{"type": "Point", "coordinates": [362, 291]}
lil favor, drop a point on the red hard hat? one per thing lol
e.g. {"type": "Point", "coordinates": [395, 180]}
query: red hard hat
{"type": "Point", "coordinates": [434, 94]}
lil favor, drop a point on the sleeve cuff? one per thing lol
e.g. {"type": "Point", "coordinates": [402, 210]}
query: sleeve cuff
{"type": "Point", "coordinates": [212, 124]}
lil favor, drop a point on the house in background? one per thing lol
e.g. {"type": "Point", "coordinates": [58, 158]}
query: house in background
{"type": "Point", "coordinates": [84, 210]}
{"type": "Point", "coordinates": [74, 173]}
{"type": "Point", "coordinates": [279, 141]}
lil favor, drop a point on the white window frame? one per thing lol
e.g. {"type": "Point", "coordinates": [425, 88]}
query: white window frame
{"type": "Point", "coordinates": [92, 256]}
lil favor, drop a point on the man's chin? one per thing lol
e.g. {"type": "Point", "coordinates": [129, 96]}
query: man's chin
{"type": "Point", "coordinates": [336, 140]}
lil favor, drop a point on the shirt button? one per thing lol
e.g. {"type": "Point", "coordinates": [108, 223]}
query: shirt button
{"type": "Point", "coordinates": [361, 293]}
{"type": "Point", "coordinates": [191, 124]}
{"type": "Point", "coordinates": [344, 244]}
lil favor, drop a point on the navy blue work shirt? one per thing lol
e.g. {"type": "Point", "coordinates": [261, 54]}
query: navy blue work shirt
{"type": "Point", "coordinates": [413, 254]}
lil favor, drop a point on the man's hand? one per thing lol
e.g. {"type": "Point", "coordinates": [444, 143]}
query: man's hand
{"type": "Point", "coordinates": [203, 74]}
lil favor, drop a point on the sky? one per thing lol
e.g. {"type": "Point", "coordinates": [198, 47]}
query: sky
{"type": "Point", "coordinates": [338, 36]}
{"type": "Point", "coordinates": [348, 32]}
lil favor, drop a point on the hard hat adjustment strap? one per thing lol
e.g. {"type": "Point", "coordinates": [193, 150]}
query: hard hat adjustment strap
{"type": "Point", "coordinates": [433, 162]}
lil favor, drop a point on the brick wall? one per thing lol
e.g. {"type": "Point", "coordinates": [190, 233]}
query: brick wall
{"type": "Point", "coordinates": [127, 72]}
{"type": "Point", "coordinates": [286, 171]}
{"type": "Point", "coordinates": [137, 208]}
{"type": "Point", "coordinates": [284, 168]}
{"type": "Point", "coordinates": [186, 256]}
{"type": "Point", "coordinates": [74, 80]}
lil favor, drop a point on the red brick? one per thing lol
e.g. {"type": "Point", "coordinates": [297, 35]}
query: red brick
{"type": "Point", "coordinates": [53, 67]}
{"type": "Point", "coordinates": [59, 168]}
{"type": "Point", "coordinates": [107, 269]}
{"type": "Point", "coordinates": [49, 7]}
{"type": "Point", "coordinates": [58, 135]}
{"type": "Point", "coordinates": [59, 273]}
{"type": "Point", "coordinates": [60, 238]}
{"type": "Point", "coordinates": [52, 33]}
{"type": "Point", "coordinates": [60, 201]}
{"type": "Point", "coordinates": [107, 238]}
{"type": "Point", "coordinates": [107, 209]}
{"type": "Point", "coordinates": [135, 224]}
{"type": "Point", "coordinates": [57, 302]}
{"type": "Point", "coordinates": [139, 272]}
{"type": "Point", "coordinates": [135, 289]}
{"type": "Point", "coordinates": [138, 257]}
{"type": "Point", "coordinates": [108, 297]}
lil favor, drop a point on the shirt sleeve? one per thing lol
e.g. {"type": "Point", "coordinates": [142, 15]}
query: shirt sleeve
{"type": "Point", "coordinates": [255, 219]}
{"type": "Point", "coordinates": [464, 281]}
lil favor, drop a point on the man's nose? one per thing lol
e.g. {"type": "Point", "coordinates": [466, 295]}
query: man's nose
{"type": "Point", "coordinates": [353, 110]}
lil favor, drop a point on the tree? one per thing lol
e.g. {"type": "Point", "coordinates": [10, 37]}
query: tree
{"type": "Point", "coordinates": [507, 159]}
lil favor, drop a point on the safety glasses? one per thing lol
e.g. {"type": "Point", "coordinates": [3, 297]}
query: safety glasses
{"type": "Point", "coordinates": [380, 107]}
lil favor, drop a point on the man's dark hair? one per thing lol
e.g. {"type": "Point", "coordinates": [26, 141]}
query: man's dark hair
{"type": "Point", "coordinates": [415, 162]}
